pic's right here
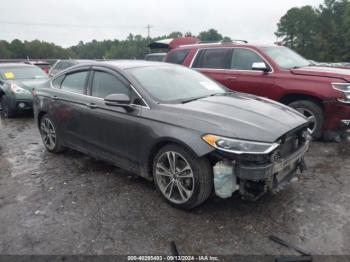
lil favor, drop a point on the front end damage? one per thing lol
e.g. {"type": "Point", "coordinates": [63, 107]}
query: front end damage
{"type": "Point", "coordinates": [254, 175]}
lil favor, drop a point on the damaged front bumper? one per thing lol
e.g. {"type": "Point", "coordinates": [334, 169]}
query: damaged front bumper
{"type": "Point", "coordinates": [254, 180]}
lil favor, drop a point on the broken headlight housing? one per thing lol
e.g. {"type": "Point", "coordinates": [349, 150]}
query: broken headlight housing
{"type": "Point", "coordinates": [238, 146]}
{"type": "Point", "coordinates": [345, 89]}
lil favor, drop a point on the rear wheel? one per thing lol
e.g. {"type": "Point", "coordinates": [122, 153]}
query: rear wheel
{"type": "Point", "coordinates": [313, 112]}
{"type": "Point", "coordinates": [49, 135]}
{"type": "Point", "coordinates": [6, 110]}
{"type": "Point", "coordinates": [184, 180]}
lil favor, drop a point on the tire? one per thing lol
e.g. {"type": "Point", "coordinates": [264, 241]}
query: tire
{"type": "Point", "coordinates": [48, 132]}
{"type": "Point", "coordinates": [6, 111]}
{"type": "Point", "coordinates": [307, 107]}
{"type": "Point", "coordinates": [199, 187]}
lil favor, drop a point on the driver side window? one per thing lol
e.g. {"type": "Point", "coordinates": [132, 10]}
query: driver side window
{"type": "Point", "coordinates": [104, 84]}
{"type": "Point", "coordinates": [243, 59]}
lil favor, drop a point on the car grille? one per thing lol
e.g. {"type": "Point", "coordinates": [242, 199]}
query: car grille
{"type": "Point", "coordinates": [289, 144]}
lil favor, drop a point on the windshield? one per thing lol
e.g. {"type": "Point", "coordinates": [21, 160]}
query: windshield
{"type": "Point", "coordinates": [175, 83]}
{"type": "Point", "coordinates": [285, 57]}
{"type": "Point", "coordinates": [21, 73]}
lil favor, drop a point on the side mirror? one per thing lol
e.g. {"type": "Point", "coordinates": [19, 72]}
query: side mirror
{"type": "Point", "coordinates": [260, 66]}
{"type": "Point", "coordinates": [120, 100]}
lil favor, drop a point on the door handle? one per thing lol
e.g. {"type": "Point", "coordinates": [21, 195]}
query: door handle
{"type": "Point", "coordinates": [91, 105]}
{"type": "Point", "coordinates": [231, 78]}
{"type": "Point", "coordinates": [54, 97]}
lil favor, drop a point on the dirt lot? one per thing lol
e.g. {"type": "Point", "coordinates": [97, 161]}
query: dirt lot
{"type": "Point", "coordinates": [73, 204]}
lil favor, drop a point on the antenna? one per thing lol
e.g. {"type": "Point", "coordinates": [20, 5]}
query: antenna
{"type": "Point", "coordinates": [149, 30]}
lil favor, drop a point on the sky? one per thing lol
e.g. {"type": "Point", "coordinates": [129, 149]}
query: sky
{"type": "Point", "coordinates": [66, 22]}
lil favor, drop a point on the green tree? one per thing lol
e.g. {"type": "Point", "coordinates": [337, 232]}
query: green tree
{"type": "Point", "coordinates": [175, 34]}
{"type": "Point", "coordinates": [5, 52]}
{"type": "Point", "coordinates": [17, 49]}
{"type": "Point", "coordinates": [210, 35]}
{"type": "Point", "coordinates": [321, 33]}
{"type": "Point", "coordinates": [297, 27]}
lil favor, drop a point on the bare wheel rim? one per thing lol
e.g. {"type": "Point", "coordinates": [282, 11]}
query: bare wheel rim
{"type": "Point", "coordinates": [174, 177]}
{"type": "Point", "coordinates": [48, 133]}
{"type": "Point", "coordinates": [310, 117]}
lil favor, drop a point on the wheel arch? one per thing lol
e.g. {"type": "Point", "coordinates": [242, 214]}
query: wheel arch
{"type": "Point", "coordinates": [292, 97]}
{"type": "Point", "coordinates": [40, 116]}
{"type": "Point", "coordinates": [166, 141]}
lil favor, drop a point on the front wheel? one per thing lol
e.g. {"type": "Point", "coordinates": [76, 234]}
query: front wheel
{"type": "Point", "coordinates": [50, 138]}
{"type": "Point", "coordinates": [313, 112]}
{"type": "Point", "coordinates": [183, 180]}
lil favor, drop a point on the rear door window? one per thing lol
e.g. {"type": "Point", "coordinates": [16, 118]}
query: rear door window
{"type": "Point", "coordinates": [104, 84]}
{"type": "Point", "coordinates": [75, 82]}
{"type": "Point", "coordinates": [243, 59]}
{"type": "Point", "coordinates": [177, 57]}
{"type": "Point", "coordinates": [218, 58]}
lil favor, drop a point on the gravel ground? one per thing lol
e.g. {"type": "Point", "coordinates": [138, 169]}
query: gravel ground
{"type": "Point", "coordinates": [73, 204]}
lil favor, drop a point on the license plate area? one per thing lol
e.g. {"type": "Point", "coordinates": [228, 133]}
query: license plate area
{"type": "Point", "coordinates": [286, 170]}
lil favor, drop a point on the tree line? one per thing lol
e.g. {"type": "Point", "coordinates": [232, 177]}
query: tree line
{"type": "Point", "coordinates": [321, 34]}
{"type": "Point", "coordinates": [134, 46]}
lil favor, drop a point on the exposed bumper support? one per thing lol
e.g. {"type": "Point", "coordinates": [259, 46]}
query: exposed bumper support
{"type": "Point", "coordinates": [255, 180]}
{"type": "Point", "coordinates": [278, 168]}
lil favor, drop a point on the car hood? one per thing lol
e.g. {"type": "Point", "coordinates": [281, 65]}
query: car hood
{"type": "Point", "coordinates": [238, 115]}
{"type": "Point", "coordinates": [331, 72]}
{"type": "Point", "coordinates": [29, 84]}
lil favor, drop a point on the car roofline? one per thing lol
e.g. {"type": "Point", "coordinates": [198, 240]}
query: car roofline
{"type": "Point", "coordinates": [224, 44]}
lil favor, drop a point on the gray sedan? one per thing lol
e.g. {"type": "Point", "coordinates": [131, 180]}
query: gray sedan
{"type": "Point", "coordinates": [174, 126]}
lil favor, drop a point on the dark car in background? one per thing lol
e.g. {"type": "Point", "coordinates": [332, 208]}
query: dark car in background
{"type": "Point", "coordinates": [158, 57]}
{"type": "Point", "coordinates": [322, 94]}
{"type": "Point", "coordinates": [64, 64]}
{"type": "Point", "coordinates": [175, 126]}
{"type": "Point", "coordinates": [16, 83]}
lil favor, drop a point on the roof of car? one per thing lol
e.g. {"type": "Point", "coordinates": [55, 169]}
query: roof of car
{"type": "Point", "coordinates": [156, 54]}
{"type": "Point", "coordinates": [76, 60]}
{"type": "Point", "coordinates": [223, 44]}
{"type": "Point", "coordinates": [2, 65]}
{"type": "Point", "coordinates": [126, 64]}
{"type": "Point", "coordinates": [36, 63]}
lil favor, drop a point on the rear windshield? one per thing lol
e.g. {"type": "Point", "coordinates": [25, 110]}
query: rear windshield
{"type": "Point", "coordinates": [19, 73]}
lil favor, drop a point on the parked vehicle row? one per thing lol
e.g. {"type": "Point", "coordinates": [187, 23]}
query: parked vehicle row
{"type": "Point", "coordinates": [175, 126]}
{"type": "Point", "coordinates": [193, 132]}
{"type": "Point", "coordinates": [322, 94]}
{"type": "Point", "coordinates": [16, 83]}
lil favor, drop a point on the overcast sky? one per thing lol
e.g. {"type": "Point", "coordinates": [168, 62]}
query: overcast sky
{"type": "Point", "coordinates": [65, 22]}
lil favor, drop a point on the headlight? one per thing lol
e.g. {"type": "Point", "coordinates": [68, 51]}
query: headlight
{"type": "Point", "coordinates": [18, 90]}
{"type": "Point", "coordinates": [237, 146]}
{"type": "Point", "coordinates": [345, 88]}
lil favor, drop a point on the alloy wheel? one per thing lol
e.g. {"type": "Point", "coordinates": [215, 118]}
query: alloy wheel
{"type": "Point", "coordinates": [48, 133]}
{"type": "Point", "coordinates": [310, 117]}
{"type": "Point", "coordinates": [175, 177]}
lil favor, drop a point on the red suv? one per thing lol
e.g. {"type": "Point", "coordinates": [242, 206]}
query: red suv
{"type": "Point", "coordinates": [322, 94]}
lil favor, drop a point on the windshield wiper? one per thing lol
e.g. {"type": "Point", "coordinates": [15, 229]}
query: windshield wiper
{"type": "Point", "coordinates": [193, 99]}
{"type": "Point", "coordinates": [201, 97]}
